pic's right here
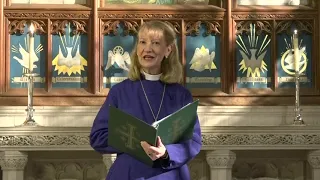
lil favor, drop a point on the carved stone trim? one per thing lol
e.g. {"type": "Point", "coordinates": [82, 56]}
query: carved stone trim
{"type": "Point", "coordinates": [13, 161]}
{"type": "Point", "coordinates": [108, 160]}
{"type": "Point", "coordinates": [52, 15]}
{"type": "Point", "coordinates": [314, 159]}
{"type": "Point", "coordinates": [140, 15]}
{"type": "Point", "coordinates": [271, 139]}
{"type": "Point", "coordinates": [221, 140]}
{"type": "Point", "coordinates": [199, 168]}
{"type": "Point", "coordinates": [271, 16]}
{"type": "Point", "coordinates": [220, 158]}
{"type": "Point", "coordinates": [44, 140]}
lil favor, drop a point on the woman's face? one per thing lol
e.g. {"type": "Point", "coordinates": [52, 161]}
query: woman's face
{"type": "Point", "coordinates": [151, 50]}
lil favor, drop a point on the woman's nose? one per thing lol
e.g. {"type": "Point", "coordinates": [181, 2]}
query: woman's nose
{"type": "Point", "coordinates": [148, 47]}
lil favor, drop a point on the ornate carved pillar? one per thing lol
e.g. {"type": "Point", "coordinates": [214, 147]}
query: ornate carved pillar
{"type": "Point", "coordinates": [220, 162]}
{"type": "Point", "coordinates": [108, 160]}
{"type": "Point", "coordinates": [12, 164]}
{"type": "Point", "coordinates": [314, 161]}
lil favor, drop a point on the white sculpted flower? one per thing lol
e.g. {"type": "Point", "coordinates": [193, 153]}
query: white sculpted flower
{"type": "Point", "coordinates": [202, 60]}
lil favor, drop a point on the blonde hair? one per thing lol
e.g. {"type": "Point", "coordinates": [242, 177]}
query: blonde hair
{"type": "Point", "coordinates": [171, 66]}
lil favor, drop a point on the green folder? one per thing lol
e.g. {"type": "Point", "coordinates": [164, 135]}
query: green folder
{"type": "Point", "coordinates": [126, 131]}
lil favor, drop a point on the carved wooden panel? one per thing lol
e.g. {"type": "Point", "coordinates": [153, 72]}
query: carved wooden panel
{"type": "Point", "coordinates": [231, 56]}
{"type": "Point", "coordinates": [119, 37]}
{"type": "Point", "coordinates": [48, 2]}
{"type": "Point", "coordinates": [285, 63]}
{"type": "Point", "coordinates": [69, 61]}
{"type": "Point", "coordinates": [22, 48]}
{"type": "Point", "coordinates": [272, 2]}
{"type": "Point", "coordinates": [274, 31]}
{"type": "Point", "coordinates": [203, 54]}
{"type": "Point", "coordinates": [60, 52]}
{"type": "Point", "coordinates": [253, 54]}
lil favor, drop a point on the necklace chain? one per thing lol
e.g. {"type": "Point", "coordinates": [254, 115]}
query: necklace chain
{"type": "Point", "coordinates": [164, 89]}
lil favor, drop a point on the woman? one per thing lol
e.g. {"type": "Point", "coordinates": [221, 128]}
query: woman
{"type": "Point", "coordinates": [151, 92]}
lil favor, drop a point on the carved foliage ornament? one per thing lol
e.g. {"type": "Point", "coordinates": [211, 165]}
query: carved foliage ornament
{"type": "Point", "coordinates": [193, 27]}
{"type": "Point", "coordinates": [17, 26]}
{"type": "Point", "coordinates": [44, 140]}
{"type": "Point", "coordinates": [260, 139]}
{"type": "Point", "coordinates": [271, 16]}
{"type": "Point", "coordinates": [314, 161]}
{"type": "Point", "coordinates": [108, 160]}
{"type": "Point", "coordinates": [138, 15]}
{"type": "Point", "coordinates": [14, 163]}
{"type": "Point", "coordinates": [198, 168]}
{"type": "Point", "coordinates": [221, 161]}
{"type": "Point", "coordinates": [261, 26]}
{"type": "Point", "coordinates": [207, 139]}
{"type": "Point", "coordinates": [78, 26]}
{"type": "Point", "coordinates": [176, 25]}
{"type": "Point", "coordinates": [46, 15]}
{"type": "Point", "coordinates": [111, 27]}
{"type": "Point", "coordinates": [302, 26]}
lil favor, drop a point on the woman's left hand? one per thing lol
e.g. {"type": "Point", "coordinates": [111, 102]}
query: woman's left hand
{"type": "Point", "coordinates": [154, 152]}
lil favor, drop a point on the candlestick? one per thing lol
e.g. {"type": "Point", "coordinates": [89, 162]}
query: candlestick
{"type": "Point", "coordinates": [31, 76]}
{"type": "Point", "coordinates": [296, 51]}
{"type": "Point", "coordinates": [296, 59]}
{"type": "Point", "coordinates": [31, 46]}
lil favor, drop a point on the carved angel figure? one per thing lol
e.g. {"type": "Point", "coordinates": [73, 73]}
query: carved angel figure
{"type": "Point", "coordinates": [122, 59]}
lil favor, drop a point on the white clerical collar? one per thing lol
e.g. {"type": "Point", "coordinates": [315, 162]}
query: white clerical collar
{"type": "Point", "coordinates": [151, 77]}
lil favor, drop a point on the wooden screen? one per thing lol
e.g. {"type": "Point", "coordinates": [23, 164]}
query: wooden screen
{"type": "Point", "coordinates": [245, 49]}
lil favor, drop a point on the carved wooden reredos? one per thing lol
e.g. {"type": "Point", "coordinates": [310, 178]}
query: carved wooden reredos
{"type": "Point", "coordinates": [246, 50]}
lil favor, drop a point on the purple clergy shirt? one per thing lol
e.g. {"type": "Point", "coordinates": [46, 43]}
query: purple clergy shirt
{"type": "Point", "coordinates": [128, 96]}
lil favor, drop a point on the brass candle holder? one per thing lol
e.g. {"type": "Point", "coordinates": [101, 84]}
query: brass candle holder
{"type": "Point", "coordinates": [30, 110]}
{"type": "Point", "coordinates": [31, 76]}
{"type": "Point", "coordinates": [297, 110]}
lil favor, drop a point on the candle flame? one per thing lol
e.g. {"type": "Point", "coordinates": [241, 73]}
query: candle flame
{"type": "Point", "coordinates": [31, 28]}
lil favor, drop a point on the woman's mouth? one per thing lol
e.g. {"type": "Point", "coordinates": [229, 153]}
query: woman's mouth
{"type": "Point", "coordinates": [148, 57]}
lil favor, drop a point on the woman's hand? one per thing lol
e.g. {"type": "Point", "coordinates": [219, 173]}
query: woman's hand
{"type": "Point", "coordinates": [153, 152]}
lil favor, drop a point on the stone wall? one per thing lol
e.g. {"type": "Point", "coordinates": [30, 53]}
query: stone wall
{"type": "Point", "coordinates": [239, 143]}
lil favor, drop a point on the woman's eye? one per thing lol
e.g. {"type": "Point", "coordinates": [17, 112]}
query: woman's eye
{"type": "Point", "coordinates": [141, 42]}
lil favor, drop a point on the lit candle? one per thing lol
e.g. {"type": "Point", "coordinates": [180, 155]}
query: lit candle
{"type": "Point", "coordinates": [296, 51]}
{"type": "Point", "coordinates": [31, 46]}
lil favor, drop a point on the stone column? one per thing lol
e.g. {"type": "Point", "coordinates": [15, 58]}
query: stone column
{"type": "Point", "coordinates": [108, 160]}
{"type": "Point", "coordinates": [220, 162]}
{"type": "Point", "coordinates": [314, 161]}
{"type": "Point", "coordinates": [12, 164]}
